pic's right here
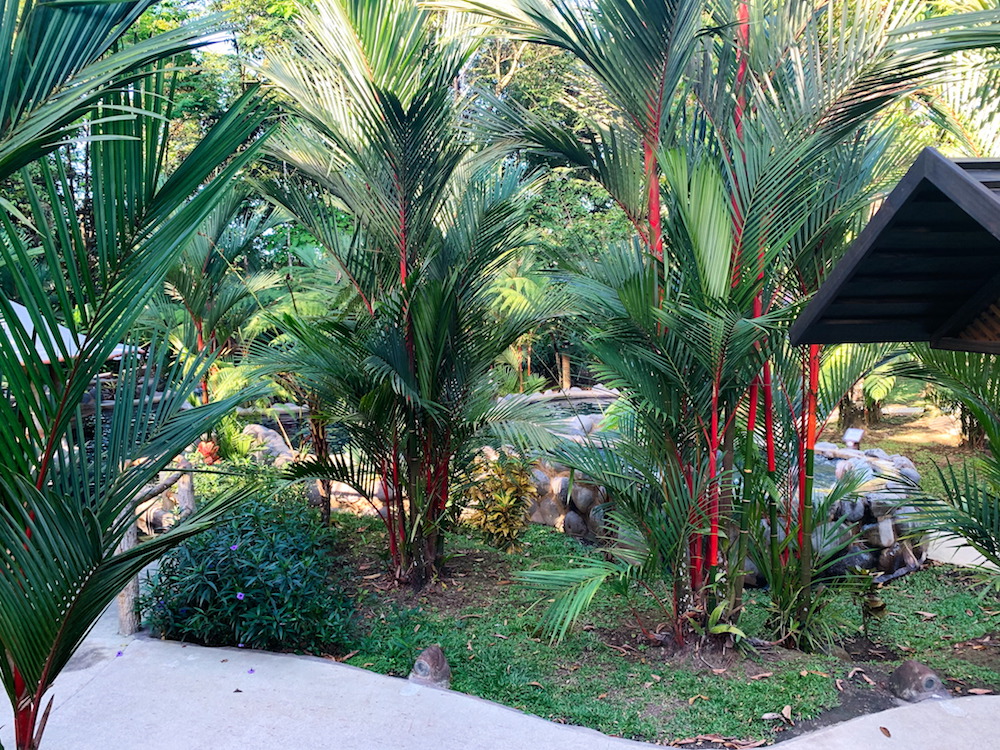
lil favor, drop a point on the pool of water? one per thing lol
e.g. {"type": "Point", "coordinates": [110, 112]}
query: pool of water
{"type": "Point", "coordinates": [565, 408]}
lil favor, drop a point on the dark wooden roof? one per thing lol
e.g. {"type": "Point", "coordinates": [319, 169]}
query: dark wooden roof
{"type": "Point", "coordinates": [926, 268]}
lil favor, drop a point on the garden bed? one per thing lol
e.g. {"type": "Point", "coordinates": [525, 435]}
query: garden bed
{"type": "Point", "coordinates": [606, 675]}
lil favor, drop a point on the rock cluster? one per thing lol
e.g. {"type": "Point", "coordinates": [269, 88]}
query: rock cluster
{"type": "Point", "coordinates": [878, 519]}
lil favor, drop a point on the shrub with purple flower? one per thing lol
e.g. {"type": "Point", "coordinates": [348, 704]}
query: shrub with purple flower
{"type": "Point", "coordinates": [281, 592]}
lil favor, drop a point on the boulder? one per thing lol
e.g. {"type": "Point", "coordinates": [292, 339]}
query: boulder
{"type": "Point", "coordinates": [549, 513]}
{"type": "Point", "coordinates": [584, 497]}
{"type": "Point", "coordinates": [270, 445]}
{"type": "Point", "coordinates": [595, 521]}
{"type": "Point", "coordinates": [876, 453]}
{"type": "Point", "coordinates": [913, 682]}
{"type": "Point", "coordinates": [574, 525]}
{"type": "Point", "coordinates": [852, 510]}
{"type": "Point", "coordinates": [558, 491]}
{"type": "Point", "coordinates": [886, 532]}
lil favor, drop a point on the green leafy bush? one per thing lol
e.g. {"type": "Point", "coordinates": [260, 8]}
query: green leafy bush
{"type": "Point", "coordinates": [262, 578]}
{"type": "Point", "coordinates": [500, 499]}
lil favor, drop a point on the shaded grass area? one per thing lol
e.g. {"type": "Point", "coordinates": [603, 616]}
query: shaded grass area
{"type": "Point", "coordinates": [606, 676]}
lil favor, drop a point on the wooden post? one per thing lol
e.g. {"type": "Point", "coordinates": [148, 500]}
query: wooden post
{"type": "Point", "coordinates": [564, 372]}
{"type": "Point", "coordinates": [128, 599]}
{"type": "Point", "coordinates": [186, 503]}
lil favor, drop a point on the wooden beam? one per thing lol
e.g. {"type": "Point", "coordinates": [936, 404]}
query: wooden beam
{"type": "Point", "coordinates": [967, 345]}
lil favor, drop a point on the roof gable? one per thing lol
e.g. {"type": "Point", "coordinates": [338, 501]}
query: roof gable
{"type": "Point", "coordinates": [926, 268]}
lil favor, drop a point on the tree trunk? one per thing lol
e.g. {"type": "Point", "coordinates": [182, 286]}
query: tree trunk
{"type": "Point", "coordinates": [564, 381]}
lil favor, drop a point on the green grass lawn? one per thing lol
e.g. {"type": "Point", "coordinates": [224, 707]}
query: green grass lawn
{"type": "Point", "coordinates": [606, 676]}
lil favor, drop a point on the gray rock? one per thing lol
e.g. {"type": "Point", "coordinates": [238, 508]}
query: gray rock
{"type": "Point", "coordinates": [541, 480]}
{"type": "Point", "coordinates": [914, 682]}
{"type": "Point", "coordinates": [271, 446]}
{"type": "Point", "coordinates": [595, 521]}
{"type": "Point", "coordinates": [858, 466]}
{"type": "Point", "coordinates": [549, 512]}
{"type": "Point", "coordinates": [752, 577]}
{"type": "Point", "coordinates": [574, 525]}
{"type": "Point", "coordinates": [886, 532]}
{"type": "Point", "coordinates": [869, 534]}
{"type": "Point", "coordinates": [910, 474]}
{"type": "Point", "coordinates": [876, 453]}
{"type": "Point", "coordinates": [558, 490]}
{"type": "Point", "coordinates": [824, 446]}
{"type": "Point", "coordinates": [884, 503]}
{"type": "Point", "coordinates": [852, 510]}
{"type": "Point", "coordinates": [902, 462]}
{"type": "Point", "coordinates": [431, 669]}
{"type": "Point", "coordinates": [890, 560]}
{"type": "Point", "coordinates": [584, 497]}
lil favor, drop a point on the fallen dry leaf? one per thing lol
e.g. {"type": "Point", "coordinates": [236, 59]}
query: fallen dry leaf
{"type": "Point", "coordinates": [346, 656]}
{"type": "Point", "coordinates": [885, 731]}
{"type": "Point", "coordinates": [693, 698]}
{"type": "Point", "coordinates": [761, 676]}
{"type": "Point", "coordinates": [504, 637]}
{"type": "Point", "coordinates": [980, 691]}
{"type": "Point", "coordinates": [839, 684]}
{"type": "Point", "coordinates": [602, 696]}
{"type": "Point", "coordinates": [787, 713]}
{"type": "Point", "coordinates": [372, 577]}
{"type": "Point", "coordinates": [719, 671]}
{"type": "Point", "coordinates": [925, 616]}
{"type": "Point", "coordinates": [656, 677]}
{"type": "Point", "coordinates": [804, 672]}
{"type": "Point", "coordinates": [540, 685]}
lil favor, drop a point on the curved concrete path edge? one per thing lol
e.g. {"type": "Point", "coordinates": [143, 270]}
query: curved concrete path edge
{"type": "Point", "coordinates": [125, 693]}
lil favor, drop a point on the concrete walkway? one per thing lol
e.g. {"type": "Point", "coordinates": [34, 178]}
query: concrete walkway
{"type": "Point", "coordinates": [139, 693]}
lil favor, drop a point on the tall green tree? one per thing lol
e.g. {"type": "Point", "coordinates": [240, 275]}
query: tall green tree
{"type": "Point", "coordinates": [377, 134]}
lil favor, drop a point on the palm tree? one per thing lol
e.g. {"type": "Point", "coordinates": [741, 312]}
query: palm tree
{"type": "Point", "coordinates": [67, 499]}
{"type": "Point", "coordinates": [377, 135]}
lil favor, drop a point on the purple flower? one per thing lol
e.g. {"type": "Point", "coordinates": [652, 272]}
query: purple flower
{"type": "Point", "coordinates": [241, 596]}
{"type": "Point", "coordinates": [250, 671]}
{"type": "Point", "coordinates": [239, 645]}
{"type": "Point", "coordinates": [119, 654]}
{"type": "Point", "coordinates": [234, 547]}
